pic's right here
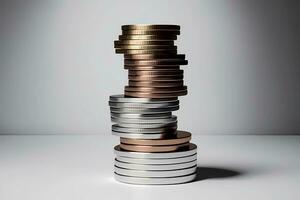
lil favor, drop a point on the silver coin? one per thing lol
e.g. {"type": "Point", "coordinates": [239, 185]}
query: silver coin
{"type": "Point", "coordinates": [144, 110]}
{"type": "Point", "coordinates": [159, 161]}
{"type": "Point", "coordinates": [116, 127]}
{"type": "Point", "coordinates": [142, 135]}
{"type": "Point", "coordinates": [134, 166]}
{"type": "Point", "coordinates": [143, 105]}
{"type": "Point", "coordinates": [155, 173]}
{"type": "Point", "coordinates": [122, 98]}
{"type": "Point", "coordinates": [155, 181]}
{"type": "Point", "coordinates": [156, 125]}
{"type": "Point", "coordinates": [142, 116]}
{"type": "Point", "coordinates": [191, 150]}
{"type": "Point", "coordinates": [120, 120]}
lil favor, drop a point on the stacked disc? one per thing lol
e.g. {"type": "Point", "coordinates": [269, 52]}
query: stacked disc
{"type": "Point", "coordinates": [151, 149]}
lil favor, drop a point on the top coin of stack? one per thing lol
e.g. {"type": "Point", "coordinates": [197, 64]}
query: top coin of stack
{"type": "Point", "coordinates": [152, 61]}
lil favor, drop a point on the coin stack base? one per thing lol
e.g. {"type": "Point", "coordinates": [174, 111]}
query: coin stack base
{"type": "Point", "coordinates": [151, 151]}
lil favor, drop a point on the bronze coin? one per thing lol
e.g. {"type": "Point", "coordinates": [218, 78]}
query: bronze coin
{"type": "Point", "coordinates": [155, 72]}
{"type": "Point", "coordinates": [150, 27]}
{"type": "Point", "coordinates": [147, 37]}
{"type": "Point", "coordinates": [155, 83]}
{"type": "Point", "coordinates": [152, 149]}
{"type": "Point", "coordinates": [143, 42]}
{"type": "Point", "coordinates": [151, 32]}
{"type": "Point", "coordinates": [151, 68]}
{"type": "Point", "coordinates": [156, 89]}
{"type": "Point", "coordinates": [154, 56]}
{"type": "Point", "coordinates": [155, 77]}
{"type": "Point", "coordinates": [155, 95]}
{"type": "Point", "coordinates": [157, 62]}
{"type": "Point", "coordinates": [145, 47]}
{"type": "Point", "coordinates": [146, 51]}
{"type": "Point", "coordinates": [179, 138]}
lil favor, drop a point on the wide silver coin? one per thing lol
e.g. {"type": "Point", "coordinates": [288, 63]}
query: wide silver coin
{"type": "Point", "coordinates": [172, 127]}
{"type": "Point", "coordinates": [122, 98]}
{"type": "Point", "coordinates": [143, 105]}
{"type": "Point", "coordinates": [142, 116]}
{"type": "Point", "coordinates": [142, 135]}
{"type": "Point", "coordinates": [120, 120]}
{"type": "Point", "coordinates": [144, 110]}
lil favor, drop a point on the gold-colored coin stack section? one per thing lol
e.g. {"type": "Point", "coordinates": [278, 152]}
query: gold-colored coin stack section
{"type": "Point", "coordinates": [151, 149]}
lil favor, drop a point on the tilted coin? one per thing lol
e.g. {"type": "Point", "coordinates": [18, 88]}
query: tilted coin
{"type": "Point", "coordinates": [179, 138]}
{"type": "Point", "coordinates": [135, 166]}
{"type": "Point", "coordinates": [143, 42]}
{"type": "Point", "coordinates": [154, 56]}
{"type": "Point", "coordinates": [145, 51]}
{"type": "Point", "coordinates": [155, 95]}
{"type": "Point", "coordinates": [148, 37]}
{"type": "Point", "coordinates": [151, 32]}
{"type": "Point", "coordinates": [152, 149]}
{"type": "Point", "coordinates": [151, 27]}
{"type": "Point", "coordinates": [190, 150]}
{"type": "Point", "coordinates": [155, 83]}
{"type": "Point", "coordinates": [155, 181]}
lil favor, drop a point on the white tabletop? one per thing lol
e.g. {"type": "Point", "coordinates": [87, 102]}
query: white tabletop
{"type": "Point", "coordinates": [38, 167]}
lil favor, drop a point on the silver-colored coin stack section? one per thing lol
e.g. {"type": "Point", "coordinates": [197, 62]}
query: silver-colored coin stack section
{"type": "Point", "coordinates": [151, 151]}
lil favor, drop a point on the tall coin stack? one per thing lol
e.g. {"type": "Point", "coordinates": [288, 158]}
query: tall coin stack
{"type": "Point", "coordinates": [151, 149]}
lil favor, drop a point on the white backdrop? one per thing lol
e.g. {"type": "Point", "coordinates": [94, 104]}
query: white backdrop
{"type": "Point", "coordinates": [58, 65]}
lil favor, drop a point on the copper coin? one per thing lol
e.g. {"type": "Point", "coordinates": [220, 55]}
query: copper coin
{"type": "Point", "coordinates": [151, 149]}
{"type": "Point", "coordinates": [154, 56]}
{"type": "Point", "coordinates": [146, 51]}
{"type": "Point", "coordinates": [173, 139]}
{"type": "Point", "coordinates": [156, 62]}
{"type": "Point", "coordinates": [147, 37]}
{"type": "Point", "coordinates": [151, 32]}
{"type": "Point", "coordinates": [150, 47]}
{"type": "Point", "coordinates": [155, 77]}
{"type": "Point", "coordinates": [143, 42]}
{"type": "Point", "coordinates": [155, 89]}
{"type": "Point", "coordinates": [151, 68]}
{"type": "Point", "coordinates": [154, 72]}
{"type": "Point", "coordinates": [155, 95]}
{"type": "Point", "coordinates": [155, 83]}
{"type": "Point", "coordinates": [151, 27]}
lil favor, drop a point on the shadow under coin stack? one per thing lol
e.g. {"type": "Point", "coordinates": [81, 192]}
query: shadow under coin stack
{"type": "Point", "coordinates": [151, 149]}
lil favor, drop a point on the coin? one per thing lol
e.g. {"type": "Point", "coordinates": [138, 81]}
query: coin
{"type": "Point", "coordinates": [139, 110]}
{"type": "Point", "coordinates": [168, 129]}
{"type": "Point", "coordinates": [145, 47]}
{"type": "Point", "coordinates": [152, 149]}
{"type": "Point", "coordinates": [151, 68]}
{"type": "Point", "coordinates": [155, 95]}
{"type": "Point", "coordinates": [154, 56]}
{"type": "Point", "coordinates": [143, 42]}
{"type": "Point", "coordinates": [122, 98]}
{"type": "Point", "coordinates": [120, 120]}
{"type": "Point", "coordinates": [156, 89]}
{"type": "Point", "coordinates": [151, 83]}
{"type": "Point", "coordinates": [179, 138]}
{"type": "Point", "coordinates": [145, 51]}
{"type": "Point", "coordinates": [148, 37]}
{"type": "Point", "coordinates": [155, 173]}
{"type": "Point", "coordinates": [143, 105]}
{"type": "Point", "coordinates": [190, 150]}
{"type": "Point", "coordinates": [147, 167]}
{"type": "Point", "coordinates": [155, 77]}
{"type": "Point", "coordinates": [150, 27]}
{"type": "Point", "coordinates": [154, 72]}
{"type": "Point", "coordinates": [157, 161]}
{"type": "Point", "coordinates": [143, 135]}
{"type": "Point", "coordinates": [155, 181]}
{"type": "Point", "coordinates": [146, 125]}
{"type": "Point", "coordinates": [151, 32]}
{"type": "Point", "coordinates": [157, 62]}
{"type": "Point", "coordinates": [142, 116]}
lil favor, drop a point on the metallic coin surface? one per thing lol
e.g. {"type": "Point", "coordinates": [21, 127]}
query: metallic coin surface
{"type": "Point", "coordinates": [142, 42]}
{"type": "Point", "coordinates": [156, 173]}
{"type": "Point", "coordinates": [159, 161]}
{"type": "Point", "coordinates": [160, 62]}
{"type": "Point", "coordinates": [154, 56]}
{"type": "Point", "coordinates": [190, 150]}
{"type": "Point", "coordinates": [145, 51]}
{"type": "Point", "coordinates": [179, 138]}
{"type": "Point", "coordinates": [143, 105]}
{"type": "Point", "coordinates": [152, 149]}
{"type": "Point", "coordinates": [135, 166]}
{"type": "Point", "coordinates": [155, 77]}
{"type": "Point", "coordinates": [148, 37]}
{"type": "Point", "coordinates": [155, 181]}
{"type": "Point", "coordinates": [167, 129]}
{"type": "Point", "coordinates": [120, 120]}
{"type": "Point", "coordinates": [154, 72]}
{"type": "Point", "coordinates": [142, 116]}
{"type": "Point", "coordinates": [139, 110]}
{"type": "Point", "coordinates": [156, 89]}
{"type": "Point", "coordinates": [155, 95]}
{"type": "Point", "coordinates": [142, 135]}
{"type": "Point", "coordinates": [145, 47]}
{"type": "Point", "coordinates": [145, 125]}
{"type": "Point", "coordinates": [123, 99]}
{"type": "Point", "coordinates": [151, 68]}
{"type": "Point", "coordinates": [155, 83]}
{"type": "Point", "coordinates": [151, 27]}
{"type": "Point", "coordinates": [151, 32]}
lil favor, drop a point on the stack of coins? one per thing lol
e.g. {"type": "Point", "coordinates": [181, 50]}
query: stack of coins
{"type": "Point", "coordinates": [151, 149]}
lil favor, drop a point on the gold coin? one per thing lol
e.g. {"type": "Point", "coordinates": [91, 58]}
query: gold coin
{"type": "Point", "coordinates": [145, 47]}
{"type": "Point", "coordinates": [146, 51]}
{"type": "Point", "coordinates": [154, 72]}
{"type": "Point", "coordinates": [154, 56]}
{"type": "Point", "coordinates": [150, 68]}
{"type": "Point", "coordinates": [143, 42]}
{"type": "Point", "coordinates": [148, 37]}
{"type": "Point", "coordinates": [154, 95]}
{"type": "Point", "coordinates": [156, 89]}
{"type": "Point", "coordinates": [152, 149]}
{"type": "Point", "coordinates": [157, 62]}
{"type": "Point", "coordinates": [151, 32]}
{"type": "Point", "coordinates": [155, 77]}
{"type": "Point", "coordinates": [151, 27]}
{"type": "Point", "coordinates": [155, 83]}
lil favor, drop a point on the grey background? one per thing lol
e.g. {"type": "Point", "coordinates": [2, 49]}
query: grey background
{"type": "Point", "coordinates": [58, 65]}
